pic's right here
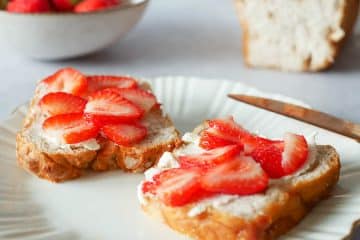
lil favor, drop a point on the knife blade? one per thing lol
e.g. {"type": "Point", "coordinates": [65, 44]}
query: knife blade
{"type": "Point", "coordinates": [314, 117]}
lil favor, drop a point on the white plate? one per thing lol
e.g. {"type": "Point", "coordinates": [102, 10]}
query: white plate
{"type": "Point", "coordinates": [105, 206]}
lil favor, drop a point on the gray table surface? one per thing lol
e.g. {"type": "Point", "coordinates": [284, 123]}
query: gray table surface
{"type": "Point", "coordinates": [193, 38]}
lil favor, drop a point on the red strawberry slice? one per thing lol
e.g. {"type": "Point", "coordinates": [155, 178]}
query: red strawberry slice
{"type": "Point", "coordinates": [95, 5]}
{"type": "Point", "coordinates": [209, 140]}
{"type": "Point", "coordinates": [295, 152]}
{"type": "Point", "coordinates": [270, 157]}
{"type": "Point", "coordinates": [280, 158]}
{"type": "Point", "coordinates": [273, 155]}
{"type": "Point", "coordinates": [107, 107]}
{"type": "Point", "coordinates": [177, 187]}
{"type": "Point", "coordinates": [224, 131]}
{"type": "Point", "coordinates": [67, 80]}
{"type": "Point", "coordinates": [28, 6]}
{"type": "Point", "coordinates": [228, 129]}
{"type": "Point", "coordinates": [141, 98]}
{"type": "Point", "coordinates": [60, 103]}
{"type": "Point", "coordinates": [210, 158]}
{"type": "Point", "coordinates": [98, 82]}
{"type": "Point", "coordinates": [125, 134]}
{"type": "Point", "coordinates": [151, 187]}
{"type": "Point", "coordinates": [148, 187]}
{"type": "Point", "coordinates": [72, 127]}
{"type": "Point", "coordinates": [65, 5]}
{"type": "Point", "coordinates": [242, 176]}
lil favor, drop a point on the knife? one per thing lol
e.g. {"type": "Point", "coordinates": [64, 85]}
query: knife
{"type": "Point", "coordinates": [317, 118]}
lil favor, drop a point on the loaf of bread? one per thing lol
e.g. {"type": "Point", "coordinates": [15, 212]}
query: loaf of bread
{"type": "Point", "coordinates": [294, 35]}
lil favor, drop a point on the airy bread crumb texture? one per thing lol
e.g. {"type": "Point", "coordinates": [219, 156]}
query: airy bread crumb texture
{"type": "Point", "coordinates": [298, 196]}
{"type": "Point", "coordinates": [294, 35]}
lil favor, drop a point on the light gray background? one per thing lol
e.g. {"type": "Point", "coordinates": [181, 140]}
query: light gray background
{"type": "Point", "coordinates": [193, 38]}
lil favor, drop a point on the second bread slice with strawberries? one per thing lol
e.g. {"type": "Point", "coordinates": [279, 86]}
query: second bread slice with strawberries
{"type": "Point", "coordinates": [227, 183]}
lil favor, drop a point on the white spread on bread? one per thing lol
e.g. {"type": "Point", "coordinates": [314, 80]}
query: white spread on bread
{"type": "Point", "coordinates": [54, 140]}
{"type": "Point", "coordinates": [231, 204]}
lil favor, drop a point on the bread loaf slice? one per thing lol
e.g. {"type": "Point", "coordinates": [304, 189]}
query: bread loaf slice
{"type": "Point", "coordinates": [295, 35]}
{"type": "Point", "coordinates": [58, 163]}
{"type": "Point", "coordinates": [262, 216]}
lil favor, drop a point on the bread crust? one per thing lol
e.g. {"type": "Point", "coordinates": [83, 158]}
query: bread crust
{"type": "Point", "coordinates": [276, 219]}
{"type": "Point", "coordinates": [32, 159]}
{"type": "Point", "coordinates": [60, 166]}
{"type": "Point", "coordinates": [347, 22]}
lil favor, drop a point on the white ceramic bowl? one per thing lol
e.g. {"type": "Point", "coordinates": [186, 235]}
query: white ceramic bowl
{"type": "Point", "coordinates": [55, 36]}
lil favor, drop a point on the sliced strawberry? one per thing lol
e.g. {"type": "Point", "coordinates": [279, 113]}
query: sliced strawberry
{"type": "Point", "coordinates": [95, 5]}
{"type": "Point", "coordinates": [106, 107]}
{"type": "Point", "coordinates": [67, 80]}
{"type": "Point", "coordinates": [277, 158]}
{"type": "Point", "coordinates": [125, 134]}
{"type": "Point", "coordinates": [209, 140]}
{"type": "Point", "coordinates": [242, 176]}
{"type": "Point", "coordinates": [148, 187]}
{"type": "Point", "coordinates": [280, 158]}
{"type": "Point", "coordinates": [65, 5]}
{"type": "Point", "coordinates": [99, 82]}
{"type": "Point", "coordinates": [269, 156]}
{"type": "Point", "coordinates": [295, 152]}
{"type": "Point", "coordinates": [227, 131]}
{"type": "Point", "coordinates": [177, 187]}
{"type": "Point", "coordinates": [28, 6]}
{"type": "Point", "coordinates": [72, 127]}
{"type": "Point", "coordinates": [141, 98]}
{"type": "Point", "coordinates": [210, 158]}
{"type": "Point", "coordinates": [60, 103]}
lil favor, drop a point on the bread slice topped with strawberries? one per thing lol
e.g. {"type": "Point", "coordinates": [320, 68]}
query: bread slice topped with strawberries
{"type": "Point", "coordinates": [77, 122]}
{"type": "Point", "coordinates": [227, 183]}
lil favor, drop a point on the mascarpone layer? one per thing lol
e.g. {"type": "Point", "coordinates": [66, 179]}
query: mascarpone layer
{"type": "Point", "coordinates": [53, 141]}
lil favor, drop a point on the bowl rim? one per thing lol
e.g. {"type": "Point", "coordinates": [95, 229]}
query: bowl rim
{"type": "Point", "coordinates": [120, 7]}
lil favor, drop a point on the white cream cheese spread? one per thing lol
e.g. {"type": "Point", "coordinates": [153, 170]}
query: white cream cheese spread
{"type": "Point", "coordinates": [53, 141]}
